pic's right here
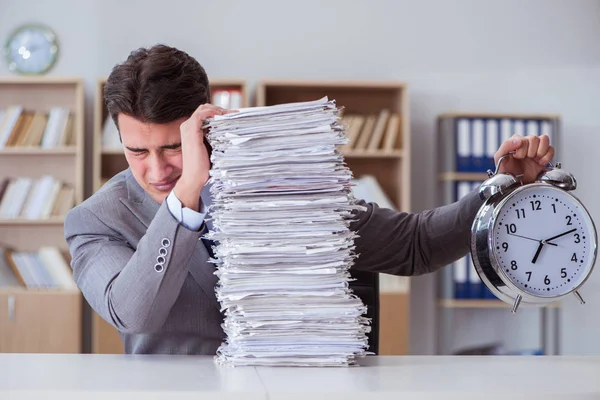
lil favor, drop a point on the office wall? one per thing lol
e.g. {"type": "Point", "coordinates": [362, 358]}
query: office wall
{"type": "Point", "coordinates": [506, 56]}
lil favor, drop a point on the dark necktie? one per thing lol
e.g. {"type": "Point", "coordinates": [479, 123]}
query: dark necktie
{"type": "Point", "coordinates": [209, 244]}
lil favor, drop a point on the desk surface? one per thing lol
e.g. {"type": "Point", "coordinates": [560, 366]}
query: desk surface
{"type": "Point", "coordinates": [87, 376]}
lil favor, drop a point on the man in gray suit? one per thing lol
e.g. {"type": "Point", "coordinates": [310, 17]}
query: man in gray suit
{"type": "Point", "coordinates": [136, 247]}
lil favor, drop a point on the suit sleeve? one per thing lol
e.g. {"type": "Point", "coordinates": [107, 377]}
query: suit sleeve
{"type": "Point", "coordinates": [407, 244]}
{"type": "Point", "coordinates": [133, 289]}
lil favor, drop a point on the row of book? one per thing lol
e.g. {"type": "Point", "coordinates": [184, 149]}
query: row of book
{"type": "Point", "coordinates": [35, 198]}
{"type": "Point", "coordinates": [227, 98]}
{"type": "Point", "coordinates": [460, 280]}
{"type": "Point", "coordinates": [22, 127]}
{"type": "Point", "coordinates": [475, 140]}
{"type": "Point", "coordinates": [372, 131]}
{"type": "Point", "coordinates": [45, 268]}
{"type": "Point", "coordinates": [110, 140]}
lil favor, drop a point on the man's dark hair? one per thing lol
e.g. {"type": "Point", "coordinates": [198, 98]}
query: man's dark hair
{"type": "Point", "coordinates": [157, 85]}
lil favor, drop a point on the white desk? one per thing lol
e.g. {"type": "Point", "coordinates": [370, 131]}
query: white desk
{"type": "Point", "coordinates": [83, 377]}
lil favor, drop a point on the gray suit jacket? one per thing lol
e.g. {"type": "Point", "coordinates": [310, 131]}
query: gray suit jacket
{"type": "Point", "coordinates": [168, 305]}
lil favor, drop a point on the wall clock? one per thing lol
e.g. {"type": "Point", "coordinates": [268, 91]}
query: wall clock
{"type": "Point", "coordinates": [31, 50]}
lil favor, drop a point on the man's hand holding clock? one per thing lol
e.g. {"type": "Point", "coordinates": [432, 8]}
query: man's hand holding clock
{"type": "Point", "coordinates": [530, 155]}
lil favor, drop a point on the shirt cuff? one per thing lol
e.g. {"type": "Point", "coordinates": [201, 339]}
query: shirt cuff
{"type": "Point", "coordinates": [186, 216]}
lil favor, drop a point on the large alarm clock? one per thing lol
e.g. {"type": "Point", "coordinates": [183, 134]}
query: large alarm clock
{"type": "Point", "coordinates": [532, 244]}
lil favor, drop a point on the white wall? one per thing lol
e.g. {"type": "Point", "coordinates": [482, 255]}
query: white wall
{"type": "Point", "coordinates": [508, 56]}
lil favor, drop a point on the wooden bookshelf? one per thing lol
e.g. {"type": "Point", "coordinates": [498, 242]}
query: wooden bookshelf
{"type": "Point", "coordinates": [34, 320]}
{"type": "Point", "coordinates": [108, 162]}
{"type": "Point", "coordinates": [462, 176]}
{"type": "Point", "coordinates": [390, 166]}
{"type": "Point", "coordinates": [382, 151]}
{"type": "Point", "coordinates": [449, 174]}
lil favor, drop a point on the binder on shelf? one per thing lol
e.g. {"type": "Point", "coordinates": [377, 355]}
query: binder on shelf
{"type": "Point", "coordinates": [464, 147]}
{"type": "Point", "coordinates": [492, 142]}
{"type": "Point", "coordinates": [228, 98]}
{"type": "Point", "coordinates": [478, 145]}
{"type": "Point", "coordinates": [466, 283]}
{"type": "Point", "coordinates": [462, 284]}
{"type": "Point", "coordinates": [460, 275]}
{"type": "Point", "coordinates": [505, 130]}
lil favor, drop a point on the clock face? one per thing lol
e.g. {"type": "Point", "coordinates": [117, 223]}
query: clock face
{"type": "Point", "coordinates": [31, 50]}
{"type": "Point", "coordinates": [544, 241]}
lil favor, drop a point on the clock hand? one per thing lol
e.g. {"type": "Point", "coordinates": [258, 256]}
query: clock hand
{"type": "Point", "coordinates": [557, 236]}
{"type": "Point", "coordinates": [535, 240]}
{"type": "Point", "coordinates": [537, 253]}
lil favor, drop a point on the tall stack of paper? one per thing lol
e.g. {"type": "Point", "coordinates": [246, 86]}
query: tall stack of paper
{"type": "Point", "coordinates": [281, 209]}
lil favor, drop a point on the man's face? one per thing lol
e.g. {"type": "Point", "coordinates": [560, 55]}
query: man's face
{"type": "Point", "coordinates": [153, 152]}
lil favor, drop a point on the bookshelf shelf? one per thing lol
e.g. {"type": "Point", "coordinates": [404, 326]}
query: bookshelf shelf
{"type": "Point", "coordinates": [33, 151]}
{"type": "Point", "coordinates": [466, 114]}
{"type": "Point", "coordinates": [377, 117]}
{"type": "Point", "coordinates": [39, 292]}
{"type": "Point", "coordinates": [467, 303]}
{"type": "Point", "coordinates": [462, 176]}
{"type": "Point", "coordinates": [21, 221]}
{"type": "Point", "coordinates": [42, 144]}
{"type": "Point", "coordinates": [112, 152]}
{"type": "Point", "coordinates": [373, 154]}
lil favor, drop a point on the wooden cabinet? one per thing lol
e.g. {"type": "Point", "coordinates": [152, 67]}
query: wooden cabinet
{"type": "Point", "coordinates": [40, 321]}
{"type": "Point", "coordinates": [42, 137]}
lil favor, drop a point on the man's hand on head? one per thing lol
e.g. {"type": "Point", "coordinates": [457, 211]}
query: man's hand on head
{"type": "Point", "coordinates": [196, 162]}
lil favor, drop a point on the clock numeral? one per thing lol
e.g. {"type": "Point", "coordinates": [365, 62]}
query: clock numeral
{"type": "Point", "coordinates": [574, 258]}
{"type": "Point", "coordinates": [528, 275]}
{"type": "Point", "coordinates": [563, 272]}
{"type": "Point", "coordinates": [554, 208]}
{"type": "Point", "coordinates": [568, 218]}
{"type": "Point", "coordinates": [577, 239]}
{"type": "Point", "coordinates": [505, 246]}
{"type": "Point", "coordinates": [512, 228]}
{"type": "Point", "coordinates": [546, 280]}
{"type": "Point", "coordinates": [520, 211]}
{"type": "Point", "coordinates": [513, 265]}
{"type": "Point", "coordinates": [536, 205]}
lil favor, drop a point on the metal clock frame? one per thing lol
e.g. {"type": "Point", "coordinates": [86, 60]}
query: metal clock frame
{"type": "Point", "coordinates": [481, 244]}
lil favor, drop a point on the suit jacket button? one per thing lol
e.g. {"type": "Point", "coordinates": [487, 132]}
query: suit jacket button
{"type": "Point", "coordinates": [158, 268]}
{"type": "Point", "coordinates": [162, 251]}
{"type": "Point", "coordinates": [166, 242]}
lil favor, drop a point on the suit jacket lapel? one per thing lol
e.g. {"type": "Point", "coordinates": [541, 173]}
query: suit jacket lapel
{"type": "Point", "coordinates": [138, 202]}
{"type": "Point", "coordinates": [144, 208]}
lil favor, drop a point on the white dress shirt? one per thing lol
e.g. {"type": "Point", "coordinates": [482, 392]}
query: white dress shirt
{"type": "Point", "coordinates": [186, 216]}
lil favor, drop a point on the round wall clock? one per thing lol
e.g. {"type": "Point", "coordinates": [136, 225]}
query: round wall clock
{"type": "Point", "coordinates": [31, 50]}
